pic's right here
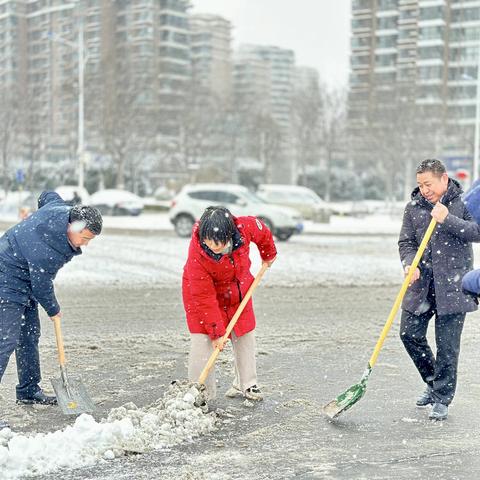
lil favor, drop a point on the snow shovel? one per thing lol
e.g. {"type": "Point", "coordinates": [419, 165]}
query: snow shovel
{"type": "Point", "coordinates": [351, 396]}
{"type": "Point", "coordinates": [71, 394]}
{"type": "Point", "coordinates": [200, 400]}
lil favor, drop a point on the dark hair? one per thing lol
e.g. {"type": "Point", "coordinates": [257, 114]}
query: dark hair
{"type": "Point", "coordinates": [216, 224]}
{"type": "Point", "coordinates": [432, 165]}
{"type": "Point", "coordinates": [90, 215]}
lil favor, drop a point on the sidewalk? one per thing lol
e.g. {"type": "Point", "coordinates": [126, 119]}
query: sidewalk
{"type": "Point", "coordinates": [158, 223]}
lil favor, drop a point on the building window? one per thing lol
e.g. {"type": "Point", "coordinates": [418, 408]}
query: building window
{"type": "Point", "coordinates": [465, 54]}
{"type": "Point", "coordinates": [431, 33]}
{"type": "Point", "coordinates": [385, 60]}
{"type": "Point", "coordinates": [387, 4]}
{"type": "Point", "coordinates": [430, 72]}
{"type": "Point", "coordinates": [389, 41]}
{"type": "Point", "coordinates": [431, 13]}
{"type": "Point", "coordinates": [387, 23]}
{"type": "Point", "coordinates": [430, 53]}
{"type": "Point", "coordinates": [466, 14]}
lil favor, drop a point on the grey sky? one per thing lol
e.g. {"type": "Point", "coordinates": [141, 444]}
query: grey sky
{"type": "Point", "coordinates": [317, 30]}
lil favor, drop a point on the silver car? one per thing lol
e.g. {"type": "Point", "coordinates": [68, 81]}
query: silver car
{"type": "Point", "coordinates": [189, 205]}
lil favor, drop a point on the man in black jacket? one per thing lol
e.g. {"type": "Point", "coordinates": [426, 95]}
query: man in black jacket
{"type": "Point", "coordinates": [436, 288]}
{"type": "Point", "coordinates": [31, 253]}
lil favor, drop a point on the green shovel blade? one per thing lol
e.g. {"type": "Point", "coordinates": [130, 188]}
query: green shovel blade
{"type": "Point", "coordinates": [348, 398]}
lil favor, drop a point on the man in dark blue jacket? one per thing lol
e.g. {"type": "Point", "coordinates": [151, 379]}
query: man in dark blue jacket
{"type": "Point", "coordinates": [436, 289]}
{"type": "Point", "coordinates": [471, 280]}
{"type": "Point", "coordinates": [31, 253]}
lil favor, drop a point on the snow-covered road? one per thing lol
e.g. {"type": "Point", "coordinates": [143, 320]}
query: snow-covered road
{"type": "Point", "coordinates": [319, 310]}
{"type": "Point", "coordinates": [303, 260]}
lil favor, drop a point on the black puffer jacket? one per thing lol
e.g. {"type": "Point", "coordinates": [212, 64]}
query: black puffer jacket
{"type": "Point", "coordinates": [448, 255]}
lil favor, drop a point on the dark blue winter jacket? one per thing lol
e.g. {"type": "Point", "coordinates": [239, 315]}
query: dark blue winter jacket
{"type": "Point", "coordinates": [448, 255]}
{"type": "Point", "coordinates": [32, 252]}
{"type": "Point", "coordinates": [472, 200]}
{"type": "Point", "coordinates": [471, 280]}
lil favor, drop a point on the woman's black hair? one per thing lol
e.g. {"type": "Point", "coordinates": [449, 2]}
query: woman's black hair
{"type": "Point", "coordinates": [216, 224]}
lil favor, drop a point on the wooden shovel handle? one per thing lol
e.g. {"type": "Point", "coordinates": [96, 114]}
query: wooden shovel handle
{"type": "Point", "coordinates": [233, 321]}
{"type": "Point", "coordinates": [59, 338]}
{"type": "Point", "coordinates": [401, 293]}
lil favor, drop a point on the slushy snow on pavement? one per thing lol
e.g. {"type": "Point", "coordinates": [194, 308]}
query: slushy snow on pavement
{"type": "Point", "coordinates": [169, 421]}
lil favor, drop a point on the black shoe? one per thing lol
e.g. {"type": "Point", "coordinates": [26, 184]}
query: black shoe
{"type": "Point", "coordinates": [439, 412]}
{"type": "Point", "coordinates": [39, 398]}
{"type": "Point", "coordinates": [425, 398]}
{"type": "Point", "coordinates": [4, 425]}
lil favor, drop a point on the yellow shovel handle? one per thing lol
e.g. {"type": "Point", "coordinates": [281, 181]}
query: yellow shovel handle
{"type": "Point", "coordinates": [233, 321]}
{"type": "Point", "coordinates": [402, 291]}
{"type": "Point", "coordinates": [59, 338]}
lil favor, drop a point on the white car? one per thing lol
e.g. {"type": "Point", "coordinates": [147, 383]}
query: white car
{"type": "Point", "coordinates": [303, 199]}
{"type": "Point", "coordinates": [117, 202]}
{"type": "Point", "coordinates": [189, 205]}
{"type": "Point", "coordinates": [73, 194]}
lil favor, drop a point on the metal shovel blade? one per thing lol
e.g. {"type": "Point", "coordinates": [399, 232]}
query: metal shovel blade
{"type": "Point", "coordinates": [72, 398]}
{"type": "Point", "coordinates": [348, 398]}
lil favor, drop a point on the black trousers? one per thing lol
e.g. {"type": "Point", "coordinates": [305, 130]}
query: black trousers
{"type": "Point", "coordinates": [20, 332]}
{"type": "Point", "coordinates": [439, 372]}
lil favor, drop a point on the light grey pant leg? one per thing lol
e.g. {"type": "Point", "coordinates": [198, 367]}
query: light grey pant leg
{"type": "Point", "coordinates": [200, 350]}
{"type": "Point", "coordinates": [245, 361]}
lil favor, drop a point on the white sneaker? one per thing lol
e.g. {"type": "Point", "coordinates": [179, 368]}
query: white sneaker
{"type": "Point", "coordinates": [233, 392]}
{"type": "Point", "coordinates": [254, 393]}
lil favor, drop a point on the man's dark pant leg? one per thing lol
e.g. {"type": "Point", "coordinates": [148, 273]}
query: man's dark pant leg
{"type": "Point", "coordinates": [448, 332]}
{"type": "Point", "coordinates": [413, 333]}
{"type": "Point", "coordinates": [11, 318]}
{"type": "Point", "coordinates": [28, 360]}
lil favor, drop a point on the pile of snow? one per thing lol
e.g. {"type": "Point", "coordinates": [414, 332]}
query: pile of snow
{"type": "Point", "coordinates": [169, 421]}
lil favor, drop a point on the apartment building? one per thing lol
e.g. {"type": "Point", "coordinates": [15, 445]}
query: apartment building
{"type": "Point", "coordinates": [136, 51]}
{"type": "Point", "coordinates": [212, 64]}
{"type": "Point", "coordinates": [419, 56]}
{"type": "Point", "coordinates": [279, 62]}
{"type": "Point", "coordinates": [263, 82]}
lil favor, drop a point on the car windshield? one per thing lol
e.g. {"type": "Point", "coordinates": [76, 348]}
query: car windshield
{"type": "Point", "coordinates": [251, 197]}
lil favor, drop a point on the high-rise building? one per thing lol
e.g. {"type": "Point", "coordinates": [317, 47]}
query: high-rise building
{"type": "Point", "coordinates": [306, 78]}
{"type": "Point", "coordinates": [263, 79]}
{"type": "Point", "coordinates": [211, 37]}
{"type": "Point", "coordinates": [281, 63]}
{"type": "Point", "coordinates": [415, 58]}
{"type": "Point", "coordinates": [136, 52]}
{"type": "Point", "coordinates": [252, 83]}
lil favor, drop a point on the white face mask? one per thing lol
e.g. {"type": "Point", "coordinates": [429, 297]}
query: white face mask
{"type": "Point", "coordinates": [227, 249]}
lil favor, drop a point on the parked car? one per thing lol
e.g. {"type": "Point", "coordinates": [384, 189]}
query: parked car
{"type": "Point", "coordinates": [303, 199]}
{"type": "Point", "coordinates": [188, 206]}
{"type": "Point", "coordinates": [117, 202]}
{"type": "Point", "coordinates": [73, 194]}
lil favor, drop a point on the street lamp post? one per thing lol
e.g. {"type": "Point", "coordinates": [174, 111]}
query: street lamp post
{"type": "Point", "coordinates": [82, 60]}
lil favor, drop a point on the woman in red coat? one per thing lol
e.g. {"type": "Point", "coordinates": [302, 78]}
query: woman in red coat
{"type": "Point", "coordinates": [215, 279]}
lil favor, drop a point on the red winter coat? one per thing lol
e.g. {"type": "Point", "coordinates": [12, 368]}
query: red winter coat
{"type": "Point", "coordinates": [213, 289]}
